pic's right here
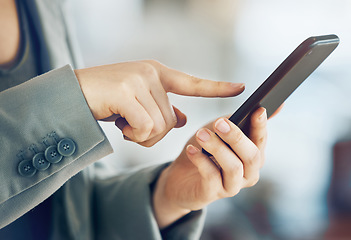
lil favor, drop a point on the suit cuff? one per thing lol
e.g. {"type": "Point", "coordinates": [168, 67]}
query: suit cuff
{"type": "Point", "coordinates": [124, 209]}
{"type": "Point", "coordinates": [31, 113]}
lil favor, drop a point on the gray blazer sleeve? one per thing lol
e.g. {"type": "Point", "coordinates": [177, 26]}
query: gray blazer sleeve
{"type": "Point", "coordinates": [102, 208]}
{"type": "Point", "coordinates": [30, 113]}
{"type": "Point", "coordinates": [94, 206]}
{"type": "Point", "coordinates": [124, 210]}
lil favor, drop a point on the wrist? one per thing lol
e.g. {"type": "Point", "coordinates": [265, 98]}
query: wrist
{"type": "Point", "coordinates": [85, 90]}
{"type": "Point", "coordinates": [88, 90]}
{"type": "Point", "coordinates": [165, 209]}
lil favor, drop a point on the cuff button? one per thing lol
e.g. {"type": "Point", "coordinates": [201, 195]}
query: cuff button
{"type": "Point", "coordinates": [66, 147]}
{"type": "Point", "coordinates": [26, 169]}
{"type": "Point", "coordinates": [52, 155]}
{"type": "Point", "coordinates": [39, 162]}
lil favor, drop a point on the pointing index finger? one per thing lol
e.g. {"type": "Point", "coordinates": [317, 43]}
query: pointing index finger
{"type": "Point", "coordinates": [183, 84]}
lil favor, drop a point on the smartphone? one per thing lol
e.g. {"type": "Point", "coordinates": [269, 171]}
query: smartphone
{"type": "Point", "coordinates": [285, 79]}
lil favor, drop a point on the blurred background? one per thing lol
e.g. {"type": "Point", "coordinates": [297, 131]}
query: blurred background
{"type": "Point", "coordinates": [303, 192]}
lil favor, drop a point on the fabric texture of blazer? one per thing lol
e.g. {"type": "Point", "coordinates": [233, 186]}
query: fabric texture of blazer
{"type": "Point", "coordinates": [50, 110]}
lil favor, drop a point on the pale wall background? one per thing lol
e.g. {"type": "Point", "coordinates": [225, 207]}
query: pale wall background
{"type": "Point", "coordinates": [239, 41]}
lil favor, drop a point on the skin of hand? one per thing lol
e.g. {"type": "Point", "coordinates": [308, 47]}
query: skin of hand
{"type": "Point", "coordinates": [134, 95]}
{"type": "Point", "coordinates": [9, 33]}
{"type": "Point", "coordinates": [194, 180]}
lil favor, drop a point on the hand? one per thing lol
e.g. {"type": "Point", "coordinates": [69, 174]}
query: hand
{"type": "Point", "coordinates": [193, 180]}
{"type": "Point", "coordinates": [134, 95]}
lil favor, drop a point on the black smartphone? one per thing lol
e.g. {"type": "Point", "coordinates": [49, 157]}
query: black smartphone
{"type": "Point", "coordinates": [285, 79]}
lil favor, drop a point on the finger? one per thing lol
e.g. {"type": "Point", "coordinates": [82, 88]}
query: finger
{"type": "Point", "coordinates": [181, 121]}
{"type": "Point", "coordinates": [172, 115]}
{"type": "Point", "coordinates": [258, 130]}
{"type": "Point", "coordinates": [243, 147]}
{"type": "Point", "coordinates": [152, 141]}
{"type": "Point", "coordinates": [153, 108]}
{"type": "Point", "coordinates": [140, 124]}
{"type": "Point", "coordinates": [205, 166]}
{"type": "Point", "coordinates": [231, 166]}
{"type": "Point", "coordinates": [184, 84]}
{"type": "Point", "coordinates": [181, 118]}
{"type": "Point", "coordinates": [211, 178]}
{"type": "Point", "coordinates": [161, 98]}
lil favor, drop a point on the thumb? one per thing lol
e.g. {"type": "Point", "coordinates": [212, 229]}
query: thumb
{"type": "Point", "coordinates": [181, 118]}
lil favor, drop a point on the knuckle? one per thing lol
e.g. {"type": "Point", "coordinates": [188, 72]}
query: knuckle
{"type": "Point", "coordinates": [234, 169]}
{"type": "Point", "coordinates": [196, 84]}
{"type": "Point", "coordinates": [254, 160]}
{"type": "Point", "coordinates": [256, 157]}
{"type": "Point", "coordinates": [137, 81]}
{"type": "Point", "coordinates": [254, 180]}
{"type": "Point", "coordinates": [211, 177]}
{"type": "Point", "coordinates": [160, 127]}
{"type": "Point", "coordinates": [232, 192]}
{"type": "Point", "coordinates": [235, 191]}
{"type": "Point", "coordinates": [260, 140]}
{"type": "Point", "coordinates": [148, 125]}
{"type": "Point", "coordinates": [139, 138]}
{"type": "Point", "coordinates": [196, 81]}
{"type": "Point", "coordinates": [143, 134]}
{"type": "Point", "coordinates": [131, 83]}
{"type": "Point", "coordinates": [124, 86]}
{"type": "Point", "coordinates": [147, 69]}
{"type": "Point", "coordinates": [218, 88]}
{"type": "Point", "coordinates": [216, 151]}
{"type": "Point", "coordinates": [222, 194]}
{"type": "Point", "coordinates": [237, 137]}
{"type": "Point", "coordinates": [220, 152]}
{"type": "Point", "coordinates": [250, 162]}
{"type": "Point", "coordinates": [147, 144]}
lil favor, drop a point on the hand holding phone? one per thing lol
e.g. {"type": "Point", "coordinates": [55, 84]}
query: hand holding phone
{"type": "Point", "coordinates": [285, 79]}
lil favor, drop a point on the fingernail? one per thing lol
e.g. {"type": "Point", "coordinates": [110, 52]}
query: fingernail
{"type": "Point", "coordinates": [192, 150]}
{"type": "Point", "coordinates": [238, 85]}
{"type": "Point", "coordinates": [263, 115]}
{"type": "Point", "coordinates": [203, 135]}
{"type": "Point", "coordinates": [222, 126]}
